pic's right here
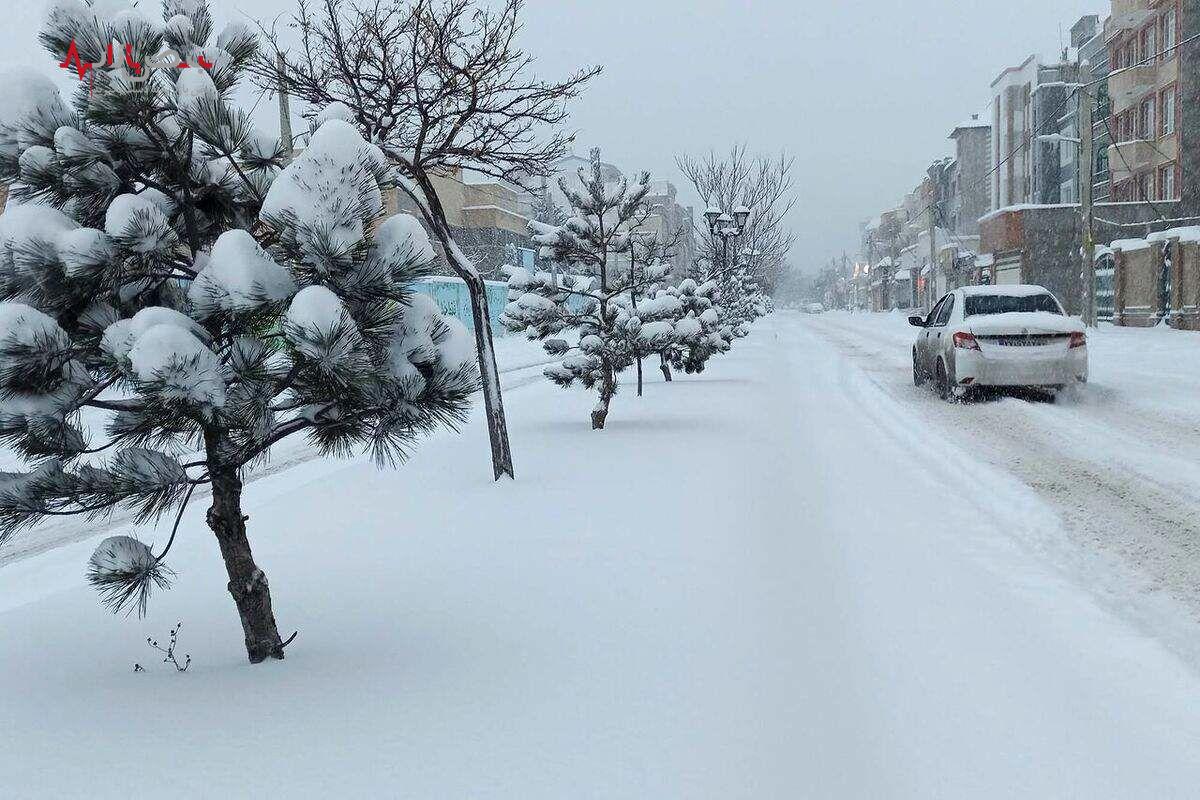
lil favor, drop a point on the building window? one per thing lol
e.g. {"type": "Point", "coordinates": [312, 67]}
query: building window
{"type": "Point", "coordinates": [1166, 182]}
{"type": "Point", "coordinates": [1149, 42]}
{"type": "Point", "coordinates": [1147, 129]}
{"type": "Point", "coordinates": [1145, 185]}
{"type": "Point", "coordinates": [1168, 32]}
{"type": "Point", "coordinates": [1168, 111]}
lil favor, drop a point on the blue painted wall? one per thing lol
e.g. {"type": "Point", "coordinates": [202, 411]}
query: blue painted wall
{"type": "Point", "coordinates": [451, 296]}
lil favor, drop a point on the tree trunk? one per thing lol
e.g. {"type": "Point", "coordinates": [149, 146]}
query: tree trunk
{"type": "Point", "coordinates": [639, 376]}
{"type": "Point", "coordinates": [666, 369]}
{"type": "Point", "coordinates": [247, 583]}
{"type": "Point", "coordinates": [608, 388]}
{"type": "Point", "coordinates": [493, 401]}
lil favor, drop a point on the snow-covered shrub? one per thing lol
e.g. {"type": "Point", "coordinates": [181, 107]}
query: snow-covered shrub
{"type": "Point", "coordinates": [160, 266]}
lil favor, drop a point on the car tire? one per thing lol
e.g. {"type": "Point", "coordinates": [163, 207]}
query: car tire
{"type": "Point", "coordinates": [943, 383]}
{"type": "Point", "coordinates": [919, 376]}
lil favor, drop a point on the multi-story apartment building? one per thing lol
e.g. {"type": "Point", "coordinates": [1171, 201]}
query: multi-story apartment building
{"type": "Point", "coordinates": [1053, 164]}
{"type": "Point", "coordinates": [1150, 77]}
{"type": "Point", "coordinates": [970, 197]}
{"type": "Point", "coordinates": [1087, 42]}
{"type": "Point", "coordinates": [1012, 122]}
{"type": "Point", "coordinates": [1088, 36]}
{"type": "Point", "coordinates": [1029, 100]}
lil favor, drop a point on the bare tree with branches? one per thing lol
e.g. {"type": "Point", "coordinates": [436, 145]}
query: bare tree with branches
{"type": "Point", "coordinates": [438, 85]}
{"type": "Point", "coordinates": [763, 184]}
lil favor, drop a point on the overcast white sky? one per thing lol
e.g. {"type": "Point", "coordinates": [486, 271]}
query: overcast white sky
{"type": "Point", "coordinates": [862, 93]}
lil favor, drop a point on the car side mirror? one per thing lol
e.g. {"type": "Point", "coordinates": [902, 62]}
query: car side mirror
{"type": "Point", "coordinates": [917, 321]}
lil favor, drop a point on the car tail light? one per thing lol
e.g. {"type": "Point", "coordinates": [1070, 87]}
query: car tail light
{"type": "Point", "coordinates": [965, 341]}
{"type": "Point", "coordinates": [1078, 340]}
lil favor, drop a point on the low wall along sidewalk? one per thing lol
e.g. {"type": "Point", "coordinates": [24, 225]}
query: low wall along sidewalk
{"type": "Point", "coordinates": [1157, 280]}
{"type": "Point", "coordinates": [453, 299]}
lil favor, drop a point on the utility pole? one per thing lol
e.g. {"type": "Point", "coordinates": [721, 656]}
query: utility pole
{"type": "Point", "coordinates": [934, 267]}
{"type": "Point", "coordinates": [1087, 166]}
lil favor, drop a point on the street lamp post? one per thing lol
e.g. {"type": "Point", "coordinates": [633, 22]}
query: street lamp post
{"type": "Point", "coordinates": [726, 227]}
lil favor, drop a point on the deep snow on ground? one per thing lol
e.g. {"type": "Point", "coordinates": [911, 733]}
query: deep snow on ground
{"type": "Point", "coordinates": [776, 580]}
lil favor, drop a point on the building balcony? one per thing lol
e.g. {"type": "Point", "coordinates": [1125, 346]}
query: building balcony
{"type": "Point", "coordinates": [1128, 159]}
{"type": "Point", "coordinates": [1129, 86]}
{"type": "Point", "coordinates": [1127, 16]}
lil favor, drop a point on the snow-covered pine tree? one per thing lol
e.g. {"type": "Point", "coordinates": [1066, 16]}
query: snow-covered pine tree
{"type": "Point", "coordinates": [697, 328]}
{"type": "Point", "coordinates": [174, 304]}
{"type": "Point", "coordinates": [595, 243]}
{"type": "Point", "coordinates": [740, 302]}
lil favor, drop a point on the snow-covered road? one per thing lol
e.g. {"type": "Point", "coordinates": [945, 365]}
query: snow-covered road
{"type": "Point", "coordinates": [1117, 461]}
{"type": "Point", "coordinates": [794, 576]}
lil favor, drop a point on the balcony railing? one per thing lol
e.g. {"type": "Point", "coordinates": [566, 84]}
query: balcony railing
{"type": "Point", "coordinates": [1127, 16]}
{"type": "Point", "coordinates": [1128, 86]}
{"type": "Point", "coordinates": [1131, 158]}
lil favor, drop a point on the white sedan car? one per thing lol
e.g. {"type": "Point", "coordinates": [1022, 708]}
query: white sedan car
{"type": "Point", "coordinates": [999, 336]}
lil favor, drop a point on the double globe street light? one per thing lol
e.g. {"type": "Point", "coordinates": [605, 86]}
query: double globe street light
{"type": "Point", "coordinates": [727, 227]}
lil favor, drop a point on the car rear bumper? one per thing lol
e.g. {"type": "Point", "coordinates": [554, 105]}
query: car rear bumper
{"type": "Point", "coordinates": [973, 368]}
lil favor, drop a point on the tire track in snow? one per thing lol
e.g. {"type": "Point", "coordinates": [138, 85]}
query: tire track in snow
{"type": "Point", "coordinates": [1109, 471]}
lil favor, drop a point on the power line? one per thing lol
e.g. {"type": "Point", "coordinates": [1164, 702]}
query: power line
{"type": "Point", "coordinates": [1147, 223]}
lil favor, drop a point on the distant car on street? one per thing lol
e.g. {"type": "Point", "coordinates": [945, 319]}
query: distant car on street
{"type": "Point", "coordinates": [814, 308]}
{"type": "Point", "coordinates": [999, 336]}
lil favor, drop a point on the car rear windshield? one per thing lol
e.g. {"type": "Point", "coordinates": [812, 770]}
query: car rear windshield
{"type": "Point", "coordinates": [982, 304]}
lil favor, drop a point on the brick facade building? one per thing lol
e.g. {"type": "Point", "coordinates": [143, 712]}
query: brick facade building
{"type": "Point", "coordinates": [1149, 118]}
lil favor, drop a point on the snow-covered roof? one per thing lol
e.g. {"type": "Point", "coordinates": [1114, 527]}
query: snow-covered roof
{"type": "Point", "coordinates": [976, 121]}
{"type": "Point", "coordinates": [902, 275]}
{"type": "Point", "coordinates": [985, 260]}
